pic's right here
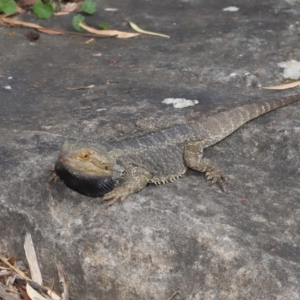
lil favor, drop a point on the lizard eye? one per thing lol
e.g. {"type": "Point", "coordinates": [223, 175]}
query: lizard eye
{"type": "Point", "coordinates": [106, 168]}
{"type": "Point", "coordinates": [85, 154]}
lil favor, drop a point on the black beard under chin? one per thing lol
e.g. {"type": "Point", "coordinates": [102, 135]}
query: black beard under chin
{"type": "Point", "coordinates": [93, 186]}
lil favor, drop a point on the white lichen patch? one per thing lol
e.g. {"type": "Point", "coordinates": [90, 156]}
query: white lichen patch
{"type": "Point", "coordinates": [291, 69]}
{"type": "Point", "coordinates": [180, 102]}
{"type": "Point", "coordinates": [111, 9]}
{"type": "Point", "coordinates": [231, 8]}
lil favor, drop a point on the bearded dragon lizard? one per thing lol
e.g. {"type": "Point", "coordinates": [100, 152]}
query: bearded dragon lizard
{"type": "Point", "coordinates": [121, 168]}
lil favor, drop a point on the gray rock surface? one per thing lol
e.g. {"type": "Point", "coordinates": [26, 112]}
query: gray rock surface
{"type": "Point", "coordinates": [185, 235]}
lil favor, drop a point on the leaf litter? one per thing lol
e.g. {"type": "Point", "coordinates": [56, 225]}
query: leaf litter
{"type": "Point", "coordinates": [14, 22]}
{"type": "Point", "coordinates": [283, 86]}
{"type": "Point", "coordinates": [109, 33]}
{"type": "Point", "coordinates": [15, 283]}
{"type": "Point", "coordinates": [87, 6]}
{"type": "Point", "coordinates": [4, 20]}
{"type": "Point", "coordinates": [138, 29]}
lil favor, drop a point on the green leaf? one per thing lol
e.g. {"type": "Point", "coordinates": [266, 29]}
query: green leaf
{"type": "Point", "coordinates": [8, 6]}
{"type": "Point", "coordinates": [103, 25]}
{"type": "Point", "coordinates": [89, 6]}
{"type": "Point", "coordinates": [41, 10]}
{"type": "Point", "coordinates": [76, 19]}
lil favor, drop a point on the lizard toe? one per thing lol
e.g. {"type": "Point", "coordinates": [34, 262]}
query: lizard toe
{"type": "Point", "coordinates": [111, 202]}
{"type": "Point", "coordinates": [115, 196]}
{"type": "Point", "coordinates": [54, 177]}
{"type": "Point", "coordinates": [216, 176]}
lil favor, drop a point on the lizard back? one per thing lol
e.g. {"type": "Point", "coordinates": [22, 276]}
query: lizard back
{"type": "Point", "coordinates": [160, 152]}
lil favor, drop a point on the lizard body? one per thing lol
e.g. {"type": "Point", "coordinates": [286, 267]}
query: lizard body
{"type": "Point", "coordinates": [121, 168]}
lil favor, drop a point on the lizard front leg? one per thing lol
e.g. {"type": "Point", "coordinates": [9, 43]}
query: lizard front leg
{"type": "Point", "coordinates": [193, 153]}
{"type": "Point", "coordinates": [136, 178]}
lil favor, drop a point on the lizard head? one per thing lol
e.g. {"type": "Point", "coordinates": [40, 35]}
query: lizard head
{"type": "Point", "coordinates": [89, 170]}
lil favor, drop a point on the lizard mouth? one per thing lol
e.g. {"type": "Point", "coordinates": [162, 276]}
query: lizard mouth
{"type": "Point", "coordinates": [86, 184]}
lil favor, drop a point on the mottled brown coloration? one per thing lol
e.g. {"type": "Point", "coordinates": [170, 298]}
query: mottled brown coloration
{"type": "Point", "coordinates": [119, 169]}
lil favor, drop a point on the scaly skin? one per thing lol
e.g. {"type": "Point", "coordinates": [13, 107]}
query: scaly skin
{"type": "Point", "coordinates": [119, 169]}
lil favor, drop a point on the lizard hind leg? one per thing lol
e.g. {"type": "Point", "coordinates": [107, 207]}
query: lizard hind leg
{"type": "Point", "coordinates": [193, 153]}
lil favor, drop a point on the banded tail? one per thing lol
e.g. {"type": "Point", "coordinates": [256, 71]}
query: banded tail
{"type": "Point", "coordinates": [224, 123]}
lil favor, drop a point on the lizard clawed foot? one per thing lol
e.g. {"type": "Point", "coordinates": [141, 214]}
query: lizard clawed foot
{"type": "Point", "coordinates": [216, 176]}
{"type": "Point", "coordinates": [54, 177]}
{"type": "Point", "coordinates": [118, 194]}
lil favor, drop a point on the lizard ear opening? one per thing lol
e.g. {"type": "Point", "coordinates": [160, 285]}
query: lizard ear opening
{"type": "Point", "coordinates": [108, 166]}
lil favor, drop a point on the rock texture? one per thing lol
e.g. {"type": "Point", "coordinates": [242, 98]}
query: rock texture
{"type": "Point", "coordinates": [185, 235]}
